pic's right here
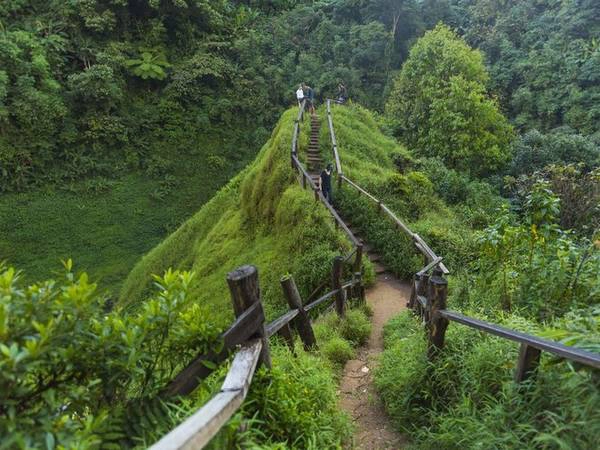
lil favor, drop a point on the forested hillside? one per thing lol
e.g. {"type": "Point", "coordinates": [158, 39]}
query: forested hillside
{"type": "Point", "coordinates": [146, 144]}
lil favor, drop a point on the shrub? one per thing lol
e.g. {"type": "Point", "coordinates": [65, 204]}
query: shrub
{"type": "Point", "coordinates": [467, 398]}
{"type": "Point", "coordinates": [337, 350]}
{"type": "Point", "coordinates": [355, 327]}
{"type": "Point", "coordinates": [70, 371]}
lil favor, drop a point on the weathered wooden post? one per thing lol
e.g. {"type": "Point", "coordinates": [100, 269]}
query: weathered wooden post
{"type": "Point", "coordinates": [302, 321]}
{"type": "Point", "coordinates": [336, 276]}
{"type": "Point", "coordinates": [438, 292]}
{"type": "Point", "coordinates": [359, 290]}
{"type": "Point", "coordinates": [303, 181]}
{"type": "Point", "coordinates": [422, 287]}
{"type": "Point", "coordinates": [245, 291]}
{"type": "Point", "coordinates": [529, 360]}
{"type": "Point", "coordinates": [286, 333]}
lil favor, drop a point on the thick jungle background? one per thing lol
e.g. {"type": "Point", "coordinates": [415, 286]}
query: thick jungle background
{"type": "Point", "coordinates": [135, 127]}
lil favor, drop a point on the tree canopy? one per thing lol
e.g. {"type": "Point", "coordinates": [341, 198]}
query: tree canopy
{"type": "Point", "coordinates": [440, 106]}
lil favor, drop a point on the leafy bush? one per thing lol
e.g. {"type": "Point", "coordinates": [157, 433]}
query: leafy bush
{"type": "Point", "coordinates": [467, 398]}
{"type": "Point", "coordinates": [70, 370]}
{"type": "Point", "coordinates": [532, 264]}
{"type": "Point", "coordinates": [337, 350]}
{"type": "Point", "coordinates": [356, 327]}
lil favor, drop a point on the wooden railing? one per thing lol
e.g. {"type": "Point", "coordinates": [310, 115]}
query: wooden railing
{"type": "Point", "coordinates": [249, 335]}
{"type": "Point", "coordinates": [429, 293]}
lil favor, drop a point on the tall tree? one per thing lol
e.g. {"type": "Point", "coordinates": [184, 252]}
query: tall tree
{"type": "Point", "coordinates": [440, 107]}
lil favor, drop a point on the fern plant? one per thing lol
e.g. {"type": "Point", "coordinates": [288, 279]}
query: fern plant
{"type": "Point", "coordinates": [151, 64]}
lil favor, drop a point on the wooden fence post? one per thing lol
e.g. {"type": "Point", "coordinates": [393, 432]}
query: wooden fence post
{"type": "Point", "coordinates": [245, 291]}
{"type": "Point", "coordinates": [423, 286]}
{"type": "Point", "coordinates": [286, 333]}
{"type": "Point", "coordinates": [438, 292]}
{"type": "Point", "coordinates": [359, 290]}
{"type": "Point", "coordinates": [336, 276]}
{"type": "Point", "coordinates": [302, 321]}
{"type": "Point", "coordinates": [529, 360]}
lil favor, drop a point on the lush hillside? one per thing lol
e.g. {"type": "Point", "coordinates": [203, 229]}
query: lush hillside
{"type": "Point", "coordinates": [262, 216]}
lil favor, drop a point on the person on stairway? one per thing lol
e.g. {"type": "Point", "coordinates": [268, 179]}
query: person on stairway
{"type": "Point", "coordinates": [342, 94]}
{"type": "Point", "coordinates": [300, 95]}
{"type": "Point", "coordinates": [309, 93]}
{"type": "Point", "coordinates": [326, 183]}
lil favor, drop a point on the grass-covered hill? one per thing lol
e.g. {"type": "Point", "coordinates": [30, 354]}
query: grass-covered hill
{"type": "Point", "coordinates": [262, 217]}
{"type": "Point", "coordinates": [419, 191]}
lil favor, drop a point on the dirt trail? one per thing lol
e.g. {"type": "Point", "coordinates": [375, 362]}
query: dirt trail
{"type": "Point", "coordinates": [357, 392]}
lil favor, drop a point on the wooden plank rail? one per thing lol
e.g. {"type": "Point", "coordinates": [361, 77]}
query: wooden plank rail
{"type": "Point", "coordinates": [329, 295]}
{"type": "Point", "coordinates": [572, 353]}
{"type": "Point", "coordinates": [319, 195]}
{"type": "Point", "coordinates": [278, 323]}
{"type": "Point", "coordinates": [338, 163]}
{"type": "Point", "coordinates": [202, 426]}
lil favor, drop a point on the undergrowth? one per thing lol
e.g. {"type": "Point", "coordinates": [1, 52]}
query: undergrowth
{"type": "Point", "coordinates": [292, 406]}
{"type": "Point", "coordinates": [467, 398]}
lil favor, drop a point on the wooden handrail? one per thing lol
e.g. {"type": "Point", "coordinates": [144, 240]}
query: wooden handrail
{"type": "Point", "coordinates": [296, 162]}
{"type": "Point", "coordinates": [329, 295]}
{"type": "Point", "coordinates": [280, 322]}
{"type": "Point", "coordinates": [338, 164]}
{"type": "Point", "coordinates": [574, 354]}
{"type": "Point", "coordinates": [200, 428]}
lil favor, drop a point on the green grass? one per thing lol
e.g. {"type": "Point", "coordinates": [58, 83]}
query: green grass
{"type": "Point", "coordinates": [104, 232]}
{"type": "Point", "coordinates": [467, 397]}
{"type": "Point", "coordinates": [389, 171]}
{"type": "Point", "coordinates": [260, 217]}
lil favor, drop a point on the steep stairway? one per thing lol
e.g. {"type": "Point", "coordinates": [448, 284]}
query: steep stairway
{"type": "Point", "coordinates": [313, 154]}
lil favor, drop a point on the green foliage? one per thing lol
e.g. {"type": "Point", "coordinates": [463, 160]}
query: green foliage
{"type": "Point", "coordinates": [262, 216]}
{"type": "Point", "coordinates": [70, 369]}
{"type": "Point", "coordinates": [533, 265]}
{"type": "Point", "coordinates": [440, 105]}
{"type": "Point", "coordinates": [467, 398]}
{"type": "Point", "coordinates": [150, 64]}
{"type": "Point", "coordinates": [294, 405]}
{"type": "Point", "coordinates": [577, 189]}
{"type": "Point", "coordinates": [337, 350]}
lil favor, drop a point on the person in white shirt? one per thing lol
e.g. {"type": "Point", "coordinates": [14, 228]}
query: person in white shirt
{"type": "Point", "coordinates": [300, 95]}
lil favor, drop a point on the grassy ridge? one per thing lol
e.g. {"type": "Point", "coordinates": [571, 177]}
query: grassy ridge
{"type": "Point", "coordinates": [260, 217]}
{"type": "Point", "coordinates": [389, 171]}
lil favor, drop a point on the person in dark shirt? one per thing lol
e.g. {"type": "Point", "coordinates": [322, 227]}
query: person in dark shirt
{"type": "Point", "coordinates": [342, 93]}
{"type": "Point", "coordinates": [309, 94]}
{"type": "Point", "coordinates": [326, 183]}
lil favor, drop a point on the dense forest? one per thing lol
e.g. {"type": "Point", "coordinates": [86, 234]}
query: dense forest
{"type": "Point", "coordinates": [160, 128]}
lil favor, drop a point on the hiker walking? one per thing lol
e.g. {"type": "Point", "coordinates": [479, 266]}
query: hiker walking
{"type": "Point", "coordinates": [342, 94]}
{"type": "Point", "coordinates": [309, 94]}
{"type": "Point", "coordinates": [300, 95]}
{"type": "Point", "coordinates": [326, 183]}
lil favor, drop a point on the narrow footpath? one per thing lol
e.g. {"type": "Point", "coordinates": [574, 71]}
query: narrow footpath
{"type": "Point", "coordinates": [358, 396]}
{"type": "Point", "coordinates": [387, 297]}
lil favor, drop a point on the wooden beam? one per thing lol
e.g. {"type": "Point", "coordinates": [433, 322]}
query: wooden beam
{"type": "Point", "coordinates": [527, 364]}
{"type": "Point", "coordinates": [572, 353]}
{"type": "Point", "coordinates": [197, 431]}
{"type": "Point", "coordinates": [336, 277]}
{"type": "Point", "coordinates": [245, 292]}
{"type": "Point", "coordinates": [302, 321]}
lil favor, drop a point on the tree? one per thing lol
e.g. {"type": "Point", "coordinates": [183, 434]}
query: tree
{"type": "Point", "coordinates": [439, 106]}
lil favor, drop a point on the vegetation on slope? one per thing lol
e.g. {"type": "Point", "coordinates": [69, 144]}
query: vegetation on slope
{"type": "Point", "coordinates": [468, 398]}
{"type": "Point", "coordinates": [49, 330]}
{"type": "Point", "coordinates": [262, 216]}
